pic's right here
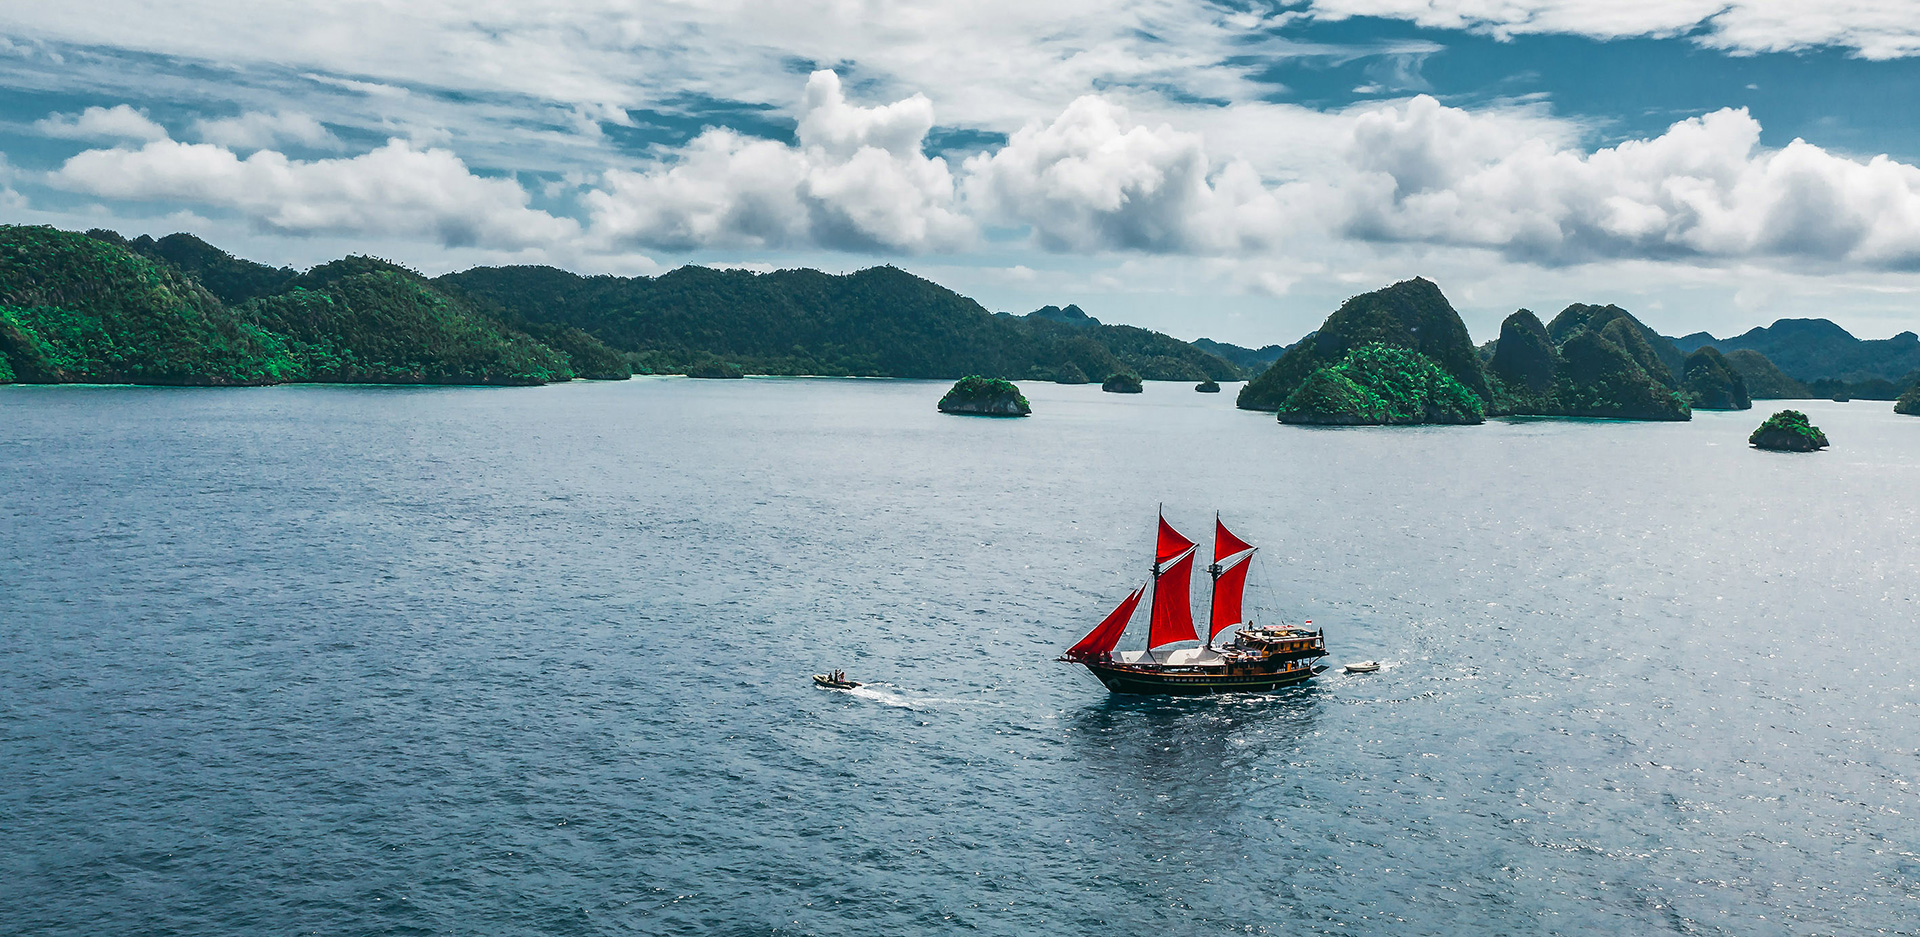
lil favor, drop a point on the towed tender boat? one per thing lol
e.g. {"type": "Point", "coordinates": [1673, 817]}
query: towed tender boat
{"type": "Point", "coordinates": [1365, 666]}
{"type": "Point", "coordinates": [1257, 659]}
{"type": "Point", "coordinates": [836, 680]}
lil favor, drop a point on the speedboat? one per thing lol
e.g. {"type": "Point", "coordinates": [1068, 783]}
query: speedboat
{"type": "Point", "coordinates": [827, 681]}
{"type": "Point", "coordinates": [1365, 666]}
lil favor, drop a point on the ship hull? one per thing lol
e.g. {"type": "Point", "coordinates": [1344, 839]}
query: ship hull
{"type": "Point", "coordinates": [1145, 681]}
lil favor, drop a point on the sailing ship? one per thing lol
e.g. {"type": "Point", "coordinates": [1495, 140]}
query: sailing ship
{"type": "Point", "coordinates": [1257, 659]}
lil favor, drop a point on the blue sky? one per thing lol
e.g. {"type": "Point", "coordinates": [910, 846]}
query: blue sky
{"type": "Point", "coordinates": [1227, 170]}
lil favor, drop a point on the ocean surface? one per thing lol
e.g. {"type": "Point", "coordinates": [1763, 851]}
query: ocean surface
{"type": "Point", "coordinates": [380, 660]}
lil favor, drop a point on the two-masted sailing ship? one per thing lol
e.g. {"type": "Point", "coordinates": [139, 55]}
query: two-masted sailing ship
{"type": "Point", "coordinates": [1257, 659]}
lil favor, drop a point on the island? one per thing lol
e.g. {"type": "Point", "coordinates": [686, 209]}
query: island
{"type": "Point", "coordinates": [1208, 387]}
{"type": "Point", "coordinates": [1591, 361]}
{"type": "Point", "coordinates": [1788, 431]}
{"type": "Point", "coordinates": [984, 396]}
{"type": "Point", "coordinates": [1909, 402]}
{"type": "Point", "coordinates": [1121, 383]}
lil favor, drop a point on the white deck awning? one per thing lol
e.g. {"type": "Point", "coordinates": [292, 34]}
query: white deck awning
{"type": "Point", "coordinates": [1178, 657]}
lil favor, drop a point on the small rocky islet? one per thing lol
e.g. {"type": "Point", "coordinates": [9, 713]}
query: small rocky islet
{"type": "Point", "coordinates": [1788, 431]}
{"type": "Point", "coordinates": [1122, 383]}
{"type": "Point", "coordinates": [974, 395]}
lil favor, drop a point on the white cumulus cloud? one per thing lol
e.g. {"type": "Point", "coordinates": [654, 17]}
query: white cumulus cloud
{"type": "Point", "coordinates": [858, 178]}
{"type": "Point", "coordinates": [394, 190]}
{"type": "Point", "coordinates": [258, 129]}
{"type": "Point", "coordinates": [119, 122]}
{"type": "Point", "coordinates": [1705, 188]}
{"type": "Point", "coordinates": [1091, 179]}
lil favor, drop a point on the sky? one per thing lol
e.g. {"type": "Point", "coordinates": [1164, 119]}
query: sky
{"type": "Point", "coordinates": [1227, 170]}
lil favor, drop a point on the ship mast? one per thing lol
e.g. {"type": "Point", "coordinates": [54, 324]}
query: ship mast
{"type": "Point", "coordinates": [1161, 513]}
{"type": "Point", "coordinates": [1226, 545]}
{"type": "Point", "coordinates": [1171, 615]}
{"type": "Point", "coordinates": [1213, 569]}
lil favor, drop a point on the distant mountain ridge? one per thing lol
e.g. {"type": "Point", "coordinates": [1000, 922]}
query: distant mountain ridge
{"type": "Point", "coordinates": [1251, 360]}
{"type": "Point", "coordinates": [1811, 350]}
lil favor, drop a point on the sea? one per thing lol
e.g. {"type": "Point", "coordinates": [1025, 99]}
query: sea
{"type": "Point", "coordinates": [497, 661]}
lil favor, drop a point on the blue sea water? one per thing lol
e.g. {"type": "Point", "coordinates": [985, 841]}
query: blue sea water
{"type": "Point", "coordinates": [352, 660]}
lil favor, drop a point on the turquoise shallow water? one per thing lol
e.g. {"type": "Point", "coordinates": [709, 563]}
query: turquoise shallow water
{"type": "Point", "coordinates": [341, 660]}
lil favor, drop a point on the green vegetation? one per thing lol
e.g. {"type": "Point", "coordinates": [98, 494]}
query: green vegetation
{"type": "Point", "coordinates": [586, 355]}
{"type": "Point", "coordinates": [1248, 360]}
{"type": "Point", "coordinates": [79, 309]}
{"type": "Point", "coordinates": [362, 320]}
{"type": "Point", "coordinates": [1909, 402]}
{"type": "Point", "coordinates": [1816, 349]}
{"type": "Point", "coordinates": [1592, 361]}
{"type": "Point", "coordinates": [880, 322]}
{"type": "Point", "coordinates": [1208, 387]}
{"type": "Point", "coordinates": [708, 366]}
{"type": "Point", "coordinates": [1764, 381]}
{"type": "Point", "coordinates": [1646, 346]}
{"type": "Point", "coordinates": [1788, 431]}
{"type": "Point", "coordinates": [1382, 384]}
{"type": "Point", "coordinates": [1070, 373]}
{"type": "Point", "coordinates": [1122, 383]}
{"type": "Point", "coordinates": [1873, 388]}
{"type": "Point", "coordinates": [230, 278]}
{"type": "Point", "coordinates": [100, 308]}
{"type": "Point", "coordinates": [1524, 358]}
{"type": "Point", "coordinates": [1713, 384]}
{"type": "Point", "coordinates": [1412, 314]}
{"type": "Point", "coordinates": [984, 396]}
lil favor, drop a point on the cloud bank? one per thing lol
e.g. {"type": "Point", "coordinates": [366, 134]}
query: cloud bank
{"type": "Point", "coordinates": [1873, 29]}
{"type": "Point", "coordinates": [395, 189]}
{"type": "Point", "coordinates": [1090, 180]}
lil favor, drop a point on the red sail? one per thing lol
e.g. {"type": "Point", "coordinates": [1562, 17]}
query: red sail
{"type": "Point", "coordinates": [1172, 611]}
{"type": "Point", "coordinates": [1107, 633]}
{"type": "Point", "coordinates": [1225, 544]}
{"type": "Point", "coordinates": [1172, 544]}
{"type": "Point", "coordinates": [1227, 591]}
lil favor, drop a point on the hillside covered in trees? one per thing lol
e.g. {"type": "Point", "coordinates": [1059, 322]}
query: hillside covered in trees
{"type": "Point", "coordinates": [1820, 359]}
{"type": "Point", "coordinates": [879, 322]}
{"type": "Point", "coordinates": [1402, 355]}
{"type": "Point", "coordinates": [98, 308]}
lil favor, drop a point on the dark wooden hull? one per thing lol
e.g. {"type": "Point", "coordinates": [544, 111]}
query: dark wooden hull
{"type": "Point", "coordinates": [1124, 678]}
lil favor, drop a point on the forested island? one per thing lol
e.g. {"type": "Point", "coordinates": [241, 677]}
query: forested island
{"type": "Point", "coordinates": [1402, 355]}
{"type": "Point", "coordinates": [98, 307]}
